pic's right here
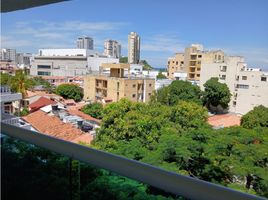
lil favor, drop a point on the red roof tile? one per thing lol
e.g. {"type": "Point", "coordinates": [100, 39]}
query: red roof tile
{"type": "Point", "coordinates": [225, 120]}
{"type": "Point", "coordinates": [53, 126]}
{"type": "Point", "coordinates": [41, 102]}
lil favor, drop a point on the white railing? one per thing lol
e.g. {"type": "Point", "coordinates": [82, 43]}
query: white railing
{"type": "Point", "coordinates": [168, 181]}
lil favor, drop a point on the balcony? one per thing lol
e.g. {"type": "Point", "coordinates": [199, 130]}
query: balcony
{"type": "Point", "coordinates": [73, 179]}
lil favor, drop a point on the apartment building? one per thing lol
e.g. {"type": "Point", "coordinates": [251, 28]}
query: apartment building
{"type": "Point", "coordinates": [8, 55]}
{"type": "Point", "coordinates": [133, 48]}
{"type": "Point", "coordinates": [115, 86]}
{"type": "Point", "coordinates": [190, 62]}
{"type": "Point", "coordinates": [248, 86]}
{"type": "Point", "coordinates": [85, 43]}
{"type": "Point", "coordinates": [112, 48]}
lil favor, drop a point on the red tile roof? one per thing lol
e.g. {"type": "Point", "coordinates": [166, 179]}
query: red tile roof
{"type": "Point", "coordinates": [225, 120]}
{"type": "Point", "coordinates": [41, 102]}
{"type": "Point", "coordinates": [53, 126]}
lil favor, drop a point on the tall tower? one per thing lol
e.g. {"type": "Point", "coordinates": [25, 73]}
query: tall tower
{"type": "Point", "coordinates": [112, 48]}
{"type": "Point", "coordinates": [84, 43]}
{"type": "Point", "coordinates": [133, 48]}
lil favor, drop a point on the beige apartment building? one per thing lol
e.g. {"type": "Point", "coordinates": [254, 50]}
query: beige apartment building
{"type": "Point", "coordinates": [115, 86]}
{"type": "Point", "coordinates": [191, 60]}
{"type": "Point", "coordinates": [133, 48]}
{"type": "Point", "coordinates": [248, 86]}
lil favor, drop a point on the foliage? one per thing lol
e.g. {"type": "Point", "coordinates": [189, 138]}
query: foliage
{"type": "Point", "coordinates": [177, 138]}
{"type": "Point", "coordinates": [178, 90]}
{"type": "Point", "coordinates": [35, 172]}
{"type": "Point", "coordinates": [258, 117]}
{"type": "Point", "coordinates": [146, 65]}
{"type": "Point", "coordinates": [40, 81]}
{"type": "Point", "coordinates": [94, 110]}
{"type": "Point", "coordinates": [24, 112]}
{"type": "Point", "coordinates": [123, 60]}
{"type": "Point", "coordinates": [5, 78]}
{"type": "Point", "coordinates": [161, 76]}
{"type": "Point", "coordinates": [70, 91]}
{"type": "Point", "coordinates": [20, 83]}
{"type": "Point", "coordinates": [216, 94]}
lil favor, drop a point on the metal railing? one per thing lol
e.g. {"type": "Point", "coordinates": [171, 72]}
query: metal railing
{"type": "Point", "coordinates": [168, 181]}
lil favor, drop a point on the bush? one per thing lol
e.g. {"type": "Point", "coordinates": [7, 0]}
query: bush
{"type": "Point", "coordinates": [258, 117]}
{"type": "Point", "coordinates": [94, 110]}
{"type": "Point", "coordinates": [70, 91]}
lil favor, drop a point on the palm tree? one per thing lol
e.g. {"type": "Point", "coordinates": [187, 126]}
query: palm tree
{"type": "Point", "coordinates": [20, 83]}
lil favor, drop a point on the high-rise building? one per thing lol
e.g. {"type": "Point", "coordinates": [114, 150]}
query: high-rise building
{"type": "Point", "coordinates": [8, 55]}
{"type": "Point", "coordinates": [84, 43]}
{"type": "Point", "coordinates": [112, 48]}
{"type": "Point", "coordinates": [248, 86]}
{"type": "Point", "coordinates": [133, 48]}
{"type": "Point", "coordinates": [190, 61]}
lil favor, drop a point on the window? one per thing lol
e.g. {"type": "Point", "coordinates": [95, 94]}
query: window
{"type": "Point", "coordinates": [133, 95]}
{"type": "Point", "coordinates": [149, 94]}
{"type": "Point", "coordinates": [223, 68]}
{"type": "Point", "coordinates": [244, 77]}
{"type": "Point", "coordinates": [117, 85]}
{"type": "Point", "coordinates": [150, 85]}
{"type": "Point", "coordinates": [242, 86]}
{"type": "Point", "coordinates": [43, 66]}
{"type": "Point", "coordinates": [182, 62]}
{"type": "Point", "coordinates": [177, 62]}
{"type": "Point", "coordinates": [168, 62]}
{"type": "Point", "coordinates": [43, 73]}
{"type": "Point", "coordinates": [199, 56]}
{"type": "Point", "coordinates": [134, 85]}
{"type": "Point", "coordinates": [263, 78]}
{"type": "Point", "coordinates": [234, 103]}
{"type": "Point", "coordinates": [223, 77]}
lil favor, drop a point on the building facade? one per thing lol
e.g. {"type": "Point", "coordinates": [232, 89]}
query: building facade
{"type": "Point", "coordinates": [116, 86]}
{"type": "Point", "coordinates": [85, 43]}
{"type": "Point", "coordinates": [8, 55]}
{"type": "Point", "coordinates": [133, 48]}
{"type": "Point", "coordinates": [248, 86]}
{"type": "Point", "coordinates": [190, 62]}
{"type": "Point", "coordinates": [112, 48]}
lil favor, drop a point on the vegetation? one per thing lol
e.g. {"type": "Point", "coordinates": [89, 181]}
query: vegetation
{"type": "Point", "coordinates": [216, 94]}
{"type": "Point", "coordinates": [94, 110]}
{"type": "Point", "coordinates": [70, 91]}
{"type": "Point", "coordinates": [5, 79]}
{"type": "Point", "coordinates": [146, 65]}
{"type": "Point", "coordinates": [178, 90]}
{"type": "Point", "coordinates": [23, 112]}
{"type": "Point", "coordinates": [178, 138]}
{"type": "Point", "coordinates": [35, 172]}
{"type": "Point", "coordinates": [160, 76]}
{"type": "Point", "coordinates": [123, 60]}
{"type": "Point", "coordinates": [256, 118]}
{"type": "Point", "coordinates": [39, 81]}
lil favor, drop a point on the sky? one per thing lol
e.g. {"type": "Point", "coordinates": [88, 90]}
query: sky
{"type": "Point", "coordinates": [239, 27]}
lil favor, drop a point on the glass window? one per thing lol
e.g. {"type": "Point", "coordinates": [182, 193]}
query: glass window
{"type": "Point", "coordinates": [244, 77]}
{"type": "Point", "coordinates": [43, 66]}
{"type": "Point", "coordinates": [133, 95]}
{"type": "Point", "coordinates": [263, 78]}
{"type": "Point", "coordinates": [43, 73]}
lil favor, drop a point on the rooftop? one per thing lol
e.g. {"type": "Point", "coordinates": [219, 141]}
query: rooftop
{"type": "Point", "coordinates": [224, 120]}
{"type": "Point", "coordinates": [116, 65]}
{"type": "Point", "coordinates": [56, 128]}
{"type": "Point", "coordinates": [41, 102]}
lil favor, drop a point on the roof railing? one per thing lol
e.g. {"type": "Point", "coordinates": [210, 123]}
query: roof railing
{"type": "Point", "coordinates": [168, 181]}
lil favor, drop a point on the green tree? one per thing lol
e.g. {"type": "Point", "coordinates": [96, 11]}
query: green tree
{"type": "Point", "coordinates": [161, 76]}
{"type": "Point", "coordinates": [178, 90]}
{"type": "Point", "coordinates": [258, 117]}
{"type": "Point", "coordinates": [40, 81]}
{"type": "Point", "coordinates": [20, 83]}
{"type": "Point", "coordinates": [216, 94]}
{"type": "Point", "coordinates": [94, 110]}
{"type": "Point", "coordinates": [146, 65]}
{"type": "Point", "coordinates": [70, 91]}
{"type": "Point", "coordinates": [123, 60]}
{"type": "Point", "coordinates": [5, 79]}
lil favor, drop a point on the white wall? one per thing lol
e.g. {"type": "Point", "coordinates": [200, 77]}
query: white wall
{"type": "Point", "coordinates": [95, 62]}
{"type": "Point", "coordinates": [65, 52]}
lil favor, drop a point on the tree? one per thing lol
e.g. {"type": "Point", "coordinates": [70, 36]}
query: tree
{"type": "Point", "coordinates": [216, 94]}
{"type": "Point", "coordinates": [94, 110]}
{"type": "Point", "coordinates": [40, 81]}
{"type": "Point", "coordinates": [70, 91]}
{"type": "Point", "coordinates": [5, 79]}
{"type": "Point", "coordinates": [178, 91]}
{"type": "Point", "coordinates": [258, 117]}
{"type": "Point", "coordinates": [123, 60]}
{"type": "Point", "coordinates": [20, 83]}
{"type": "Point", "coordinates": [161, 76]}
{"type": "Point", "coordinates": [146, 65]}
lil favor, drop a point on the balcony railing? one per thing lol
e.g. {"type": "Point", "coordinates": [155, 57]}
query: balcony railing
{"type": "Point", "coordinates": [168, 181]}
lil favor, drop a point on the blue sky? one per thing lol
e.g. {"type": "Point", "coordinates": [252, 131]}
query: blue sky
{"type": "Point", "coordinates": [239, 27]}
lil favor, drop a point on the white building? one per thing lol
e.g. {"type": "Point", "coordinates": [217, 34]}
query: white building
{"type": "Point", "coordinates": [248, 86]}
{"type": "Point", "coordinates": [67, 62]}
{"type": "Point", "coordinates": [112, 48]}
{"type": "Point", "coordinates": [8, 55]}
{"type": "Point", "coordinates": [133, 48]}
{"type": "Point", "coordinates": [85, 43]}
